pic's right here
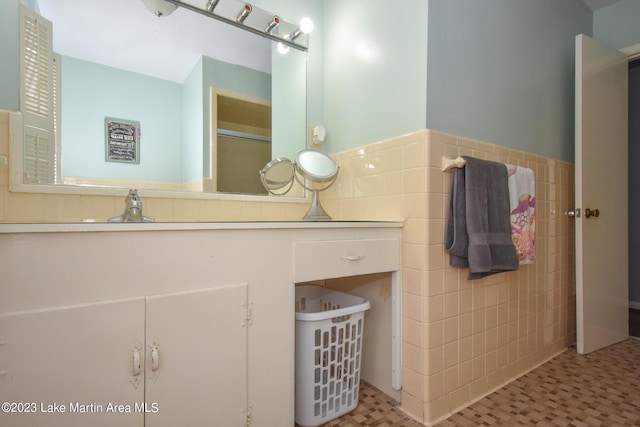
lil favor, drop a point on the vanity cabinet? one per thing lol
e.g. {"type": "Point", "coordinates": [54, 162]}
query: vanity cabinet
{"type": "Point", "coordinates": [209, 307]}
{"type": "Point", "coordinates": [54, 358]}
{"type": "Point", "coordinates": [196, 358]}
{"type": "Point", "coordinates": [162, 360]}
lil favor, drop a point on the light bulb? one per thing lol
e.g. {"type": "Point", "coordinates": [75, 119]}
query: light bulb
{"type": "Point", "coordinates": [283, 49]}
{"type": "Point", "coordinates": [159, 7]}
{"type": "Point", "coordinates": [306, 25]}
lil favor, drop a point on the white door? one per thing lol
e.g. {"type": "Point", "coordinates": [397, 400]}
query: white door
{"type": "Point", "coordinates": [66, 366]}
{"type": "Point", "coordinates": [601, 185]}
{"type": "Point", "coordinates": [196, 370]}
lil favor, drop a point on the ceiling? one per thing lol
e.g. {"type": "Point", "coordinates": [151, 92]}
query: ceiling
{"type": "Point", "coordinates": [124, 34]}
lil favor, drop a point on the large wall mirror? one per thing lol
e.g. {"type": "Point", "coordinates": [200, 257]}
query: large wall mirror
{"type": "Point", "coordinates": [192, 91]}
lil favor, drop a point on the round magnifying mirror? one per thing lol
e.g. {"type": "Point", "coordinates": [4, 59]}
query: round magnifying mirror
{"type": "Point", "coordinates": [316, 166]}
{"type": "Point", "coordinates": [277, 174]}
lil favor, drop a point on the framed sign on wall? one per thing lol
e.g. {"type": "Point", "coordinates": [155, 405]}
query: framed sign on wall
{"type": "Point", "coordinates": [122, 140]}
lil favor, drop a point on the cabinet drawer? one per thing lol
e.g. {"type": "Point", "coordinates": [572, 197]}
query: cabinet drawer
{"type": "Point", "coordinates": [341, 258]}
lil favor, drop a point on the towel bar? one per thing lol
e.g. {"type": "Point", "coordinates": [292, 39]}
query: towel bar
{"type": "Point", "coordinates": [448, 164]}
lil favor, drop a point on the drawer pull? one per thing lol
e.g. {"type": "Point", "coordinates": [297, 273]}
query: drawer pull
{"type": "Point", "coordinates": [352, 258]}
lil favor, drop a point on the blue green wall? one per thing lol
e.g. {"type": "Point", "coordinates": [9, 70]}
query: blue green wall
{"type": "Point", "coordinates": [91, 92]}
{"type": "Point", "coordinates": [194, 125]}
{"type": "Point", "coordinates": [288, 112]}
{"type": "Point", "coordinates": [502, 71]}
{"type": "Point", "coordinates": [375, 68]}
{"type": "Point", "coordinates": [9, 52]}
{"type": "Point", "coordinates": [495, 70]}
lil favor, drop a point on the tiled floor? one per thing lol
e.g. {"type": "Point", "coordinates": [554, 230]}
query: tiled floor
{"type": "Point", "coordinates": [375, 409]}
{"type": "Point", "coordinates": [599, 389]}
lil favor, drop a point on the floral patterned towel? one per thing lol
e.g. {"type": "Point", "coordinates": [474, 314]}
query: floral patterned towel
{"type": "Point", "coordinates": [522, 201]}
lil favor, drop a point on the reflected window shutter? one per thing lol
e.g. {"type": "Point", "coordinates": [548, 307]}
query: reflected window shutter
{"type": "Point", "coordinates": [36, 97]}
{"type": "Point", "coordinates": [38, 155]}
{"type": "Point", "coordinates": [57, 102]}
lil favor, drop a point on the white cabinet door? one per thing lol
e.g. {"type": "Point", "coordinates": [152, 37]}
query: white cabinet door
{"type": "Point", "coordinates": [196, 362]}
{"type": "Point", "coordinates": [73, 365]}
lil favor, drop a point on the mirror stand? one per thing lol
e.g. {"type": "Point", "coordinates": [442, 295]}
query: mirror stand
{"type": "Point", "coordinates": [316, 212]}
{"type": "Point", "coordinates": [313, 166]}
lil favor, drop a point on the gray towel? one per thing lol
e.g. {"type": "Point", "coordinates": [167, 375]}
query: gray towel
{"type": "Point", "coordinates": [478, 233]}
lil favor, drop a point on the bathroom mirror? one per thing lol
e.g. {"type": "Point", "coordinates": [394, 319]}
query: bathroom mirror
{"type": "Point", "coordinates": [316, 166]}
{"type": "Point", "coordinates": [167, 71]}
{"type": "Point", "coordinates": [277, 176]}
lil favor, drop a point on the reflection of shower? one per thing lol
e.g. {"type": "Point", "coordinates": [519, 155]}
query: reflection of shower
{"type": "Point", "coordinates": [132, 210]}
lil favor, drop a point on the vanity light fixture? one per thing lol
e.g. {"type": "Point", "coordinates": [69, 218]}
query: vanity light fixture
{"type": "Point", "coordinates": [210, 10]}
{"type": "Point", "coordinates": [159, 7]}
{"type": "Point", "coordinates": [244, 12]}
{"type": "Point", "coordinates": [211, 5]}
{"type": "Point", "coordinates": [273, 24]}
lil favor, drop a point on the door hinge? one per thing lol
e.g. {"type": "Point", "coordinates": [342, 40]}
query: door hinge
{"type": "Point", "coordinates": [248, 419]}
{"type": "Point", "coordinates": [248, 314]}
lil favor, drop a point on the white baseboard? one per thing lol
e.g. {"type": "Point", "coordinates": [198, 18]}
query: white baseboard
{"type": "Point", "coordinates": [634, 304]}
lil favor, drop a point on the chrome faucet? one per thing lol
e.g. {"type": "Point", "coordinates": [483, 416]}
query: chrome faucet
{"type": "Point", "coordinates": [132, 210]}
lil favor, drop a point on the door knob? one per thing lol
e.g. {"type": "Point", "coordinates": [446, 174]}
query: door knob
{"type": "Point", "coordinates": [588, 213]}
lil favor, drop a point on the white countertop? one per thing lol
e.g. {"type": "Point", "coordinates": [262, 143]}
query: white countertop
{"type": "Point", "coordinates": [89, 227]}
